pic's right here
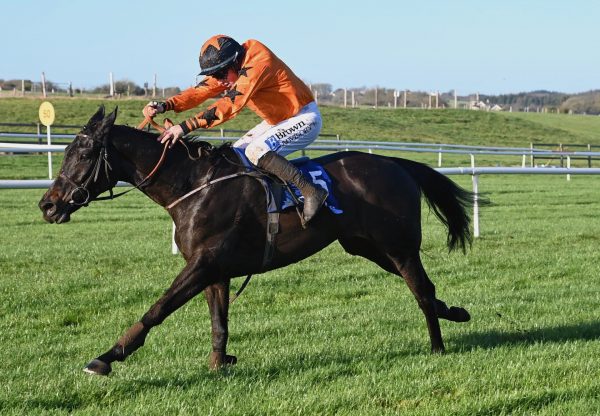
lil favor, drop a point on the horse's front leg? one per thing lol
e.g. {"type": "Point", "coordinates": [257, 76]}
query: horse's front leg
{"type": "Point", "coordinates": [191, 281]}
{"type": "Point", "coordinates": [217, 296]}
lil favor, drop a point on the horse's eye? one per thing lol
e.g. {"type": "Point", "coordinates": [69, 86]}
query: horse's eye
{"type": "Point", "coordinates": [85, 155]}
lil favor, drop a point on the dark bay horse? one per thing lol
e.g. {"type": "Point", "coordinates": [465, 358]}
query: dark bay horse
{"type": "Point", "coordinates": [220, 230]}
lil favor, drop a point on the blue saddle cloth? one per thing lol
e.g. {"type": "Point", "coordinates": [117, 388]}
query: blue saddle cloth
{"type": "Point", "coordinates": [310, 169]}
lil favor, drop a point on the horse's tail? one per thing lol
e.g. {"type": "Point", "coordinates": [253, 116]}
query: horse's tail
{"type": "Point", "coordinates": [448, 201]}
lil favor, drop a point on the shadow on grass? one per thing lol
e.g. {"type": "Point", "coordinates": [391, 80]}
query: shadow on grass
{"type": "Point", "coordinates": [65, 403]}
{"type": "Point", "coordinates": [315, 369]}
{"type": "Point", "coordinates": [528, 402]}
{"type": "Point", "coordinates": [586, 331]}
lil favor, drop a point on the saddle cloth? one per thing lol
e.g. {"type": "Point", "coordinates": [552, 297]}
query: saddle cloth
{"type": "Point", "coordinates": [279, 197]}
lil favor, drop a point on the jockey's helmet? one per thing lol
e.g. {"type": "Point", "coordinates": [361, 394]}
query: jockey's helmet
{"type": "Point", "coordinates": [218, 53]}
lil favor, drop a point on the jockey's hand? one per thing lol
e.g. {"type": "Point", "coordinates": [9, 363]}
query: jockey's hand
{"type": "Point", "coordinates": [171, 135]}
{"type": "Point", "coordinates": [153, 108]}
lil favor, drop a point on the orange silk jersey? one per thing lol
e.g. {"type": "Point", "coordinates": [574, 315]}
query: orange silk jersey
{"type": "Point", "coordinates": [265, 84]}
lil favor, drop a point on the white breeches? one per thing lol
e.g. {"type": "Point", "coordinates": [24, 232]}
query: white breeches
{"type": "Point", "coordinates": [286, 137]}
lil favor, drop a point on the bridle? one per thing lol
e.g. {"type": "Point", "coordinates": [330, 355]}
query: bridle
{"type": "Point", "coordinates": [102, 159]}
{"type": "Point", "coordinates": [92, 177]}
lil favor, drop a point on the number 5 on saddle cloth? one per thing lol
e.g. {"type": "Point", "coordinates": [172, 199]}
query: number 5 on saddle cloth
{"type": "Point", "coordinates": [279, 197]}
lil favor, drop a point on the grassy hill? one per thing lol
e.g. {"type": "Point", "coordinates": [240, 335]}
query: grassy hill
{"type": "Point", "coordinates": [432, 126]}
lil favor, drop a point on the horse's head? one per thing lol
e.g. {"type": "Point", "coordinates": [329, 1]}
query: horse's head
{"type": "Point", "coordinates": [85, 170]}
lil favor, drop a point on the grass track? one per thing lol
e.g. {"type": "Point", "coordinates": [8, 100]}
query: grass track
{"type": "Point", "coordinates": [331, 334]}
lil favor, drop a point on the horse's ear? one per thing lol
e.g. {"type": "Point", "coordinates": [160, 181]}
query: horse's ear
{"type": "Point", "coordinates": [107, 123]}
{"type": "Point", "coordinates": [112, 116]}
{"type": "Point", "coordinates": [97, 117]}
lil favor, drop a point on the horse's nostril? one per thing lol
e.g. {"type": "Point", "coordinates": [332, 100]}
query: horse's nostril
{"type": "Point", "coordinates": [48, 207]}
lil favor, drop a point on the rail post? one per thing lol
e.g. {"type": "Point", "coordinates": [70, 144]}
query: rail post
{"type": "Point", "coordinates": [475, 205]}
{"type": "Point", "coordinates": [531, 157]}
{"type": "Point", "coordinates": [174, 248]}
{"type": "Point", "coordinates": [49, 138]}
{"type": "Point", "coordinates": [562, 161]}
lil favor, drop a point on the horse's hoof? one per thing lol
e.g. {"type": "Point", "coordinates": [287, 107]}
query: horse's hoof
{"type": "Point", "coordinates": [219, 360]}
{"type": "Point", "coordinates": [438, 350]}
{"type": "Point", "coordinates": [97, 367]}
{"type": "Point", "coordinates": [458, 314]}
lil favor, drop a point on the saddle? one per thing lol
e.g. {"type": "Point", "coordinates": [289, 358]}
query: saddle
{"type": "Point", "coordinates": [281, 195]}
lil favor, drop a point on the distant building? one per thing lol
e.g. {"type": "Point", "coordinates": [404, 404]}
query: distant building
{"type": "Point", "coordinates": [478, 105]}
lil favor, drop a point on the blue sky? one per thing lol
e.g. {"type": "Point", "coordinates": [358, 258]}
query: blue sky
{"type": "Point", "coordinates": [481, 46]}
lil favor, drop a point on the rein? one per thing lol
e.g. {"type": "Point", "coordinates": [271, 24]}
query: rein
{"type": "Point", "coordinates": [154, 124]}
{"type": "Point", "coordinates": [206, 185]}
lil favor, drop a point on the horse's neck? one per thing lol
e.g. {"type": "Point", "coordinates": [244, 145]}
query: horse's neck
{"type": "Point", "coordinates": [140, 154]}
{"type": "Point", "coordinates": [140, 149]}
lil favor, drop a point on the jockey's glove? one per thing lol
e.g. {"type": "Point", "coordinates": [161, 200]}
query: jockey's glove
{"type": "Point", "coordinates": [159, 106]}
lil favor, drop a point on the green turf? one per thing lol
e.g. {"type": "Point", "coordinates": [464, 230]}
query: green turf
{"type": "Point", "coordinates": [332, 334]}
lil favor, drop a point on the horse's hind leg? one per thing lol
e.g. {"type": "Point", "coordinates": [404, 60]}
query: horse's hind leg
{"type": "Point", "coordinates": [217, 297]}
{"type": "Point", "coordinates": [392, 264]}
{"type": "Point", "coordinates": [411, 269]}
{"type": "Point", "coordinates": [423, 290]}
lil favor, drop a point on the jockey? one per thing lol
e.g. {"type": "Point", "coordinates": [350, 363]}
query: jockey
{"type": "Point", "coordinates": [251, 75]}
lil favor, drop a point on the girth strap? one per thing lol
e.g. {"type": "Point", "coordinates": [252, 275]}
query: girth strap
{"type": "Point", "coordinates": [272, 231]}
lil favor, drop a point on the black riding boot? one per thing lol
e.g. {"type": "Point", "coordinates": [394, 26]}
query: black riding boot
{"type": "Point", "coordinates": [314, 196]}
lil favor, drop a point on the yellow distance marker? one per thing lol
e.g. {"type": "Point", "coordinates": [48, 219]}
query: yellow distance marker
{"type": "Point", "coordinates": [46, 114]}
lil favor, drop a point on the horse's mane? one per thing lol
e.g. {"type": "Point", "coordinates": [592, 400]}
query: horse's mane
{"type": "Point", "coordinates": [199, 146]}
{"type": "Point", "coordinates": [214, 152]}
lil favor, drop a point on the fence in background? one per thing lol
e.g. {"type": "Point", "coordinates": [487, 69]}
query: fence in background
{"type": "Point", "coordinates": [373, 97]}
{"type": "Point", "coordinates": [560, 147]}
{"type": "Point", "coordinates": [528, 155]}
{"type": "Point", "coordinates": [40, 133]}
{"type": "Point", "coordinates": [336, 145]}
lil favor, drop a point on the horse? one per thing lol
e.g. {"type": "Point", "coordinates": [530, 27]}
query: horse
{"type": "Point", "coordinates": [221, 220]}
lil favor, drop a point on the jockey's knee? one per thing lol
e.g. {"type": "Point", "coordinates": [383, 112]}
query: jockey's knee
{"type": "Point", "coordinates": [255, 151]}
